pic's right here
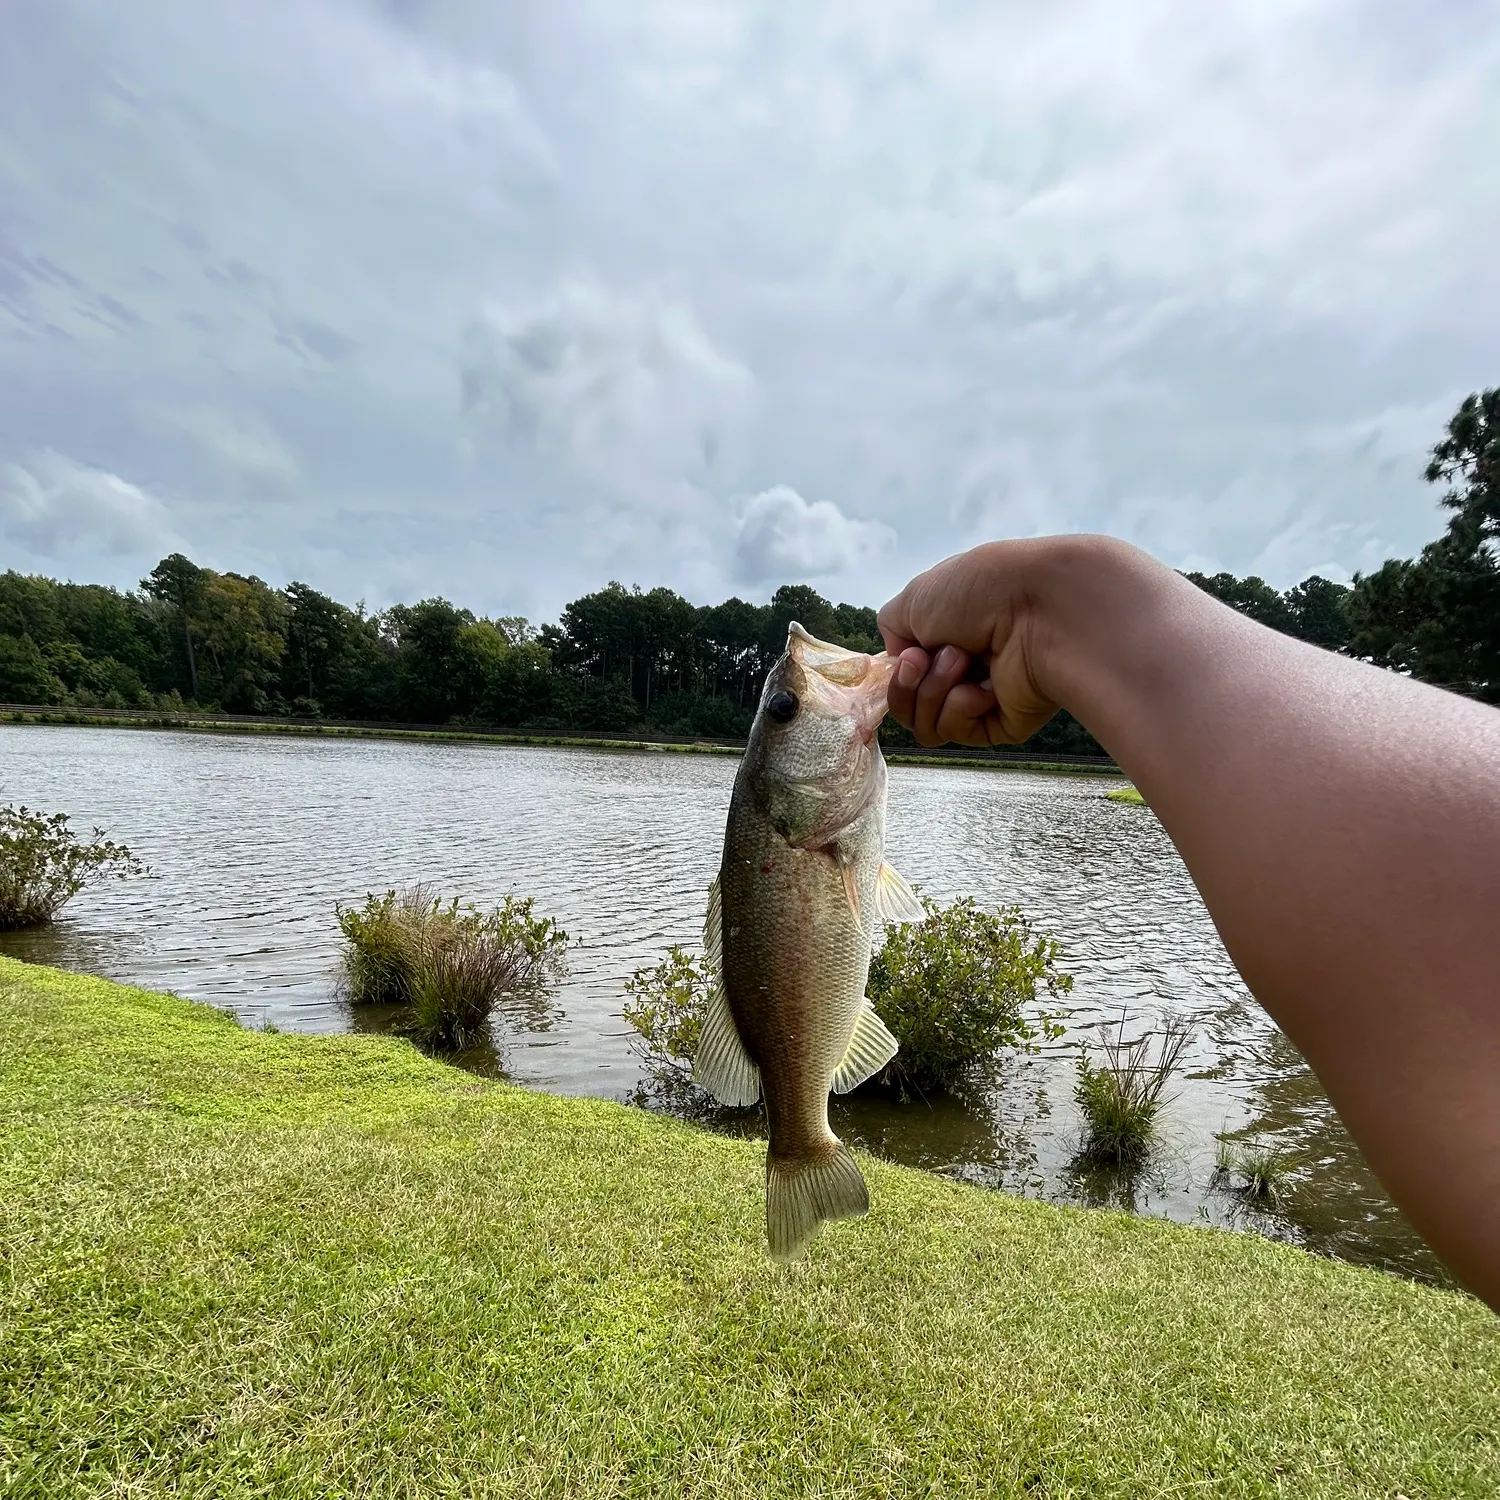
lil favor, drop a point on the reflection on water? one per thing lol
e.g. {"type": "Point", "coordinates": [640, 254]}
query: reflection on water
{"type": "Point", "coordinates": [252, 841]}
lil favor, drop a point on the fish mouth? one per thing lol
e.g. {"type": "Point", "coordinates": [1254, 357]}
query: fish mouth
{"type": "Point", "coordinates": [846, 683]}
{"type": "Point", "coordinates": [836, 663]}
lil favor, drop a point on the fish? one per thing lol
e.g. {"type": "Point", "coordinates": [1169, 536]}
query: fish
{"type": "Point", "coordinates": [802, 889]}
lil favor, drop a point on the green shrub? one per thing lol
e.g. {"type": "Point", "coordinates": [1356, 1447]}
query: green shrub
{"type": "Point", "coordinates": [1121, 1098]}
{"type": "Point", "coordinates": [953, 989]}
{"type": "Point", "coordinates": [382, 939]}
{"type": "Point", "coordinates": [447, 964]}
{"type": "Point", "coordinates": [665, 1010]}
{"type": "Point", "coordinates": [44, 864]}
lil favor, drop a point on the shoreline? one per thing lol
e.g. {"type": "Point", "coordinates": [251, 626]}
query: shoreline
{"type": "Point", "coordinates": [210, 724]}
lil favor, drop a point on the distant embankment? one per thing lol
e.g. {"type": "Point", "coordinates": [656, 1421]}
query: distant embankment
{"type": "Point", "coordinates": [221, 723]}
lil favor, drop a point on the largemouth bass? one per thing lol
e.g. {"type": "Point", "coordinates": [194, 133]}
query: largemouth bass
{"type": "Point", "coordinates": [801, 891]}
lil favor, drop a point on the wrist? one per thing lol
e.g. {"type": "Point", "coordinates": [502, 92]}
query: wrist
{"type": "Point", "coordinates": [1097, 617]}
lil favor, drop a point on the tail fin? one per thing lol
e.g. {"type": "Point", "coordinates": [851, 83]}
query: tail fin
{"type": "Point", "coordinates": [802, 1193]}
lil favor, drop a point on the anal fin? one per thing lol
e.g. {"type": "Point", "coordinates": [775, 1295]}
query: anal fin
{"type": "Point", "coordinates": [721, 1064]}
{"type": "Point", "coordinates": [870, 1049]}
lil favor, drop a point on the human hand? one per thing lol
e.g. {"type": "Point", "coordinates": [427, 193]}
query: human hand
{"type": "Point", "coordinates": [966, 636]}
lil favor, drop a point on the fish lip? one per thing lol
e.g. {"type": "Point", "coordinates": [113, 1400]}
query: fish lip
{"type": "Point", "coordinates": [878, 699]}
{"type": "Point", "coordinates": [857, 681]}
{"type": "Point", "coordinates": [836, 664]}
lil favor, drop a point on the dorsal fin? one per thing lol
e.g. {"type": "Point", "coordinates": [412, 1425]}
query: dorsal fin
{"type": "Point", "coordinates": [713, 928]}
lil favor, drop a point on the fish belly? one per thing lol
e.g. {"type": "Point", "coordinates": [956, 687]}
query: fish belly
{"type": "Point", "coordinates": [795, 966]}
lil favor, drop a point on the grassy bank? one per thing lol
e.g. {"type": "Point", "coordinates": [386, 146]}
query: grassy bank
{"type": "Point", "coordinates": [191, 723]}
{"type": "Point", "coordinates": [235, 1263]}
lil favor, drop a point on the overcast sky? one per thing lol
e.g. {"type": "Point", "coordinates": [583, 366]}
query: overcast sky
{"type": "Point", "coordinates": [501, 299]}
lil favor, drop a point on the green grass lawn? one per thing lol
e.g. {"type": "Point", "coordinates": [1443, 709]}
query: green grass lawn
{"type": "Point", "coordinates": [235, 1263]}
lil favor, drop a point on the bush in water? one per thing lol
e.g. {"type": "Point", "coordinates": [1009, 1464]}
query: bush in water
{"type": "Point", "coordinates": [44, 864]}
{"type": "Point", "coordinates": [448, 965]}
{"type": "Point", "coordinates": [1121, 1098]}
{"type": "Point", "coordinates": [665, 1010]}
{"type": "Point", "coordinates": [951, 989]}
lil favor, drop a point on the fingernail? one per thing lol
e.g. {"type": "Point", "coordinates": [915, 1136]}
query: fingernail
{"type": "Point", "coordinates": [949, 658]}
{"type": "Point", "coordinates": [908, 673]}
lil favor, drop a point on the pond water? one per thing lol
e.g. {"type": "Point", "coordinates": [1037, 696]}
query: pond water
{"type": "Point", "coordinates": [252, 840]}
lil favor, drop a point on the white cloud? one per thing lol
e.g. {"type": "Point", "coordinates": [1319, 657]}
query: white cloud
{"type": "Point", "coordinates": [1311, 544]}
{"type": "Point", "coordinates": [243, 446]}
{"type": "Point", "coordinates": [958, 271]}
{"type": "Point", "coordinates": [626, 389]}
{"type": "Point", "coordinates": [783, 538]}
{"type": "Point", "coordinates": [54, 507]}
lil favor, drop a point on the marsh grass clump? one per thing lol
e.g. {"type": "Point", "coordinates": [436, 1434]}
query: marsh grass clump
{"type": "Point", "coordinates": [454, 989]}
{"type": "Point", "coordinates": [382, 942]}
{"type": "Point", "coordinates": [1254, 1169]}
{"type": "Point", "coordinates": [44, 864]}
{"type": "Point", "coordinates": [1122, 1096]}
{"type": "Point", "coordinates": [448, 965]}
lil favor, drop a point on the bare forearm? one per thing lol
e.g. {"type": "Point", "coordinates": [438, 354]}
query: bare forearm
{"type": "Point", "coordinates": [1343, 825]}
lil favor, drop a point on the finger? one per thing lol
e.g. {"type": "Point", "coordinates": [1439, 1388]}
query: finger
{"type": "Point", "coordinates": [894, 624]}
{"type": "Point", "coordinates": [969, 715]}
{"type": "Point", "coordinates": [947, 670]}
{"type": "Point", "coordinates": [911, 668]}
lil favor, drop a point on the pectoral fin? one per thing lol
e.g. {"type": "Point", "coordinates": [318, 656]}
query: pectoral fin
{"type": "Point", "coordinates": [870, 1049]}
{"type": "Point", "coordinates": [721, 1064]}
{"type": "Point", "coordinates": [894, 898]}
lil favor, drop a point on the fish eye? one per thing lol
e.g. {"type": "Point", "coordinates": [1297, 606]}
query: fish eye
{"type": "Point", "coordinates": [782, 706]}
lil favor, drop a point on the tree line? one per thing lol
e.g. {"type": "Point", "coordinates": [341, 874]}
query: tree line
{"type": "Point", "coordinates": [628, 661]}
